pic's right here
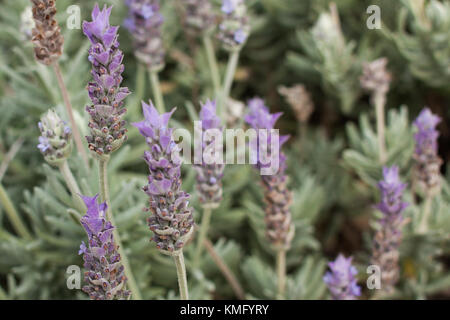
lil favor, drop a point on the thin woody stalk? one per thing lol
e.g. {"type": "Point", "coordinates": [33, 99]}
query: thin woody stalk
{"type": "Point", "coordinates": [181, 273]}
{"type": "Point", "coordinates": [281, 273]}
{"type": "Point", "coordinates": [423, 226]}
{"type": "Point", "coordinates": [202, 235]}
{"type": "Point", "coordinates": [212, 61]}
{"type": "Point", "coordinates": [104, 194]}
{"type": "Point", "coordinates": [157, 93]}
{"type": "Point", "coordinates": [380, 101]}
{"type": "Point", "coordinates": [228, 82]}
{"type": "Point", "coordinates": [69, 110]}
{"type": "Point", "coordinates": [71, 184]}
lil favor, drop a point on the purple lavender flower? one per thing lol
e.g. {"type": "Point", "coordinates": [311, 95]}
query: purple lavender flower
{"type": "Point", "coordinates": [210, 173]}
{"type": "Point", "coordinates": [55, 142]}
{"type": "Point", "coordinates": [277, 197]}
{"type": "Point", "coordinates": [428, 163]}
{"type": "Point", "coordinates": [341, 279]}
{"type": "Point", "coordinates": [259, 117]}
{"type": "Point", "coordinates": [391, 189]}
{"type": "Point", "coordinates": [144, 23]}
{"type": "Point", "coordinates": [106, 112]}
{"type": "Point", "coordinates": [171, 218]}
{"type": "Point", "coordinates": [387, 239]}
{"type": "Point", "coordinates": [199, 16]}
{"type": "Point", "coordinates": [234, 29]}
{"type": "Point", "coordinates": [104, 272]}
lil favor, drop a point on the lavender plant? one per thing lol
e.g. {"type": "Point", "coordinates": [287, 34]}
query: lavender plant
{"type": "Point", "coordinates": [427, 165]}
{"type": "Point", "coordinates": [277, 196]}
{"type": "Point", "coordinates": [376, 79]}
{"type": "Point", "coordinates": [171, 219]}
{"type": "Point", "coordinates": [210, 172]}
{"type": "Point", "coordinates": [55, 144]}
{"type": "Point", "coordinates": [200, 20]}
{"type": "Point", "coordinates": [104, 274]}
{"type": "Point", "coordinates": [144, 23]}
{"type": "Point", "coordinates": [341, 280]}
{"type": "Point", "coordinates": [385, 253]}
{"type": "Point", "coordinates": [233, 33]}
{"type": "Point", "coordinates": [108, 130]}
{"type": "Point", "coordinates": [48, 43]}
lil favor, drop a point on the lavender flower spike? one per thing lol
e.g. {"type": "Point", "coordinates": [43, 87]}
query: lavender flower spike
{"type": "Point", "coordinates": [210, 173]}
{"type": "Point", "coordinates": [171, 218]}
{"type": "Point", "coordinates": [55, 142]}
{"type": "Point", "coordinates": [234, 29]}
{"type": "Point", "coordinates": [46, 34]}
{"type": "Point", "coordinates": [104, 274]}
{"type": "Point", "coordinates": [199, 16]}
{"type": "Point", "coordinates": [144, 23]}
{"type": "Point", "coordinates": [277, 197]}
{"type": "Point", "coordinates": [341, 279]}
{"type": "Point", "coordinates": [387, 239]}
{"type": "Point", "coordinates": [427, 161]}
{"type": "Point", "coordinates": [106, 112]}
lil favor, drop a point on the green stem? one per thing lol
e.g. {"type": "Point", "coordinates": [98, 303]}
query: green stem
{"type": "Point", "coordinates": [281, 273]}
{"type": "Point", "coordinates": [13, 215]}
{"type": "Point", "coordinates": [157, 93]}
{"type": "Point", "coordinates": [380, 101]}
{"type": "Point", "coordinates": [423, 226]}
{"type": "Point", "coordinates": [72, 185]}
{"type": "Point", "coordinates": [212, 61]}
{"type": "Point", "coordinates": [69, 110]}
{"type": "Point", "coordinates": [104, 193]}
{"type": "Point", "coordinates": [228, 82]}
{"type": "Point", "coordinates": [181, 273]}
{"type": "Point", "coordinates": [206, 220]}
{"type": "Point", "coordinates": [140, 85]}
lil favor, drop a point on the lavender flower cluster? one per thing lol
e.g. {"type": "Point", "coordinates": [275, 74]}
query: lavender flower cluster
{"type": "Point", "coordinates": [144, 23]}
{"type": "Point", "coordinates": [234, 29]}
{"type": "Point", "coordinates": [171, 217]}
{"type": "Point", "coordinates": [199, 16]}
{"type": "Point", "coordinates": [108, 130]}
{"type": "Point", "coordinates": [341, 279]}
{"type": "Point", "coordinates": [104, 275]}
{"type": "Point", "coordinates": [277, 197]}
{"type": "Point", "coordinates": [427, 161]}
{"type": "Point", "coordinates": [55, 141]}
{"type": "Point", "coordinates": [210, 172]}
{"type": "Point", "coordinates": [46, 33]}
{"type": "Point", "coordinates": [387, 239]}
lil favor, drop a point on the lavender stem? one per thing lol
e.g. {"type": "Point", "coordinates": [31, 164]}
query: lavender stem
{"type": "Point", "coordinates": [72, 185]}
{"type": "Point", "coordinates": [76, 132]}
{"type": "Point", "coordinates": [215, 75]}
{"type": "Point", "coordinates": [104, 194]}
{"type": "Point", "coordinates": [380, 101]}
{"type": "Point", "coordinates": [206, 219]}
{"type": "Point", "coordinates": [423, 226]}
{"type": "Point", "coordinates": [231, 70]}
{"type": "Point", "coordinates": [13, 215]}
{"type": "Point", "coordinates": [156, 87]}
{"type": "Point", "coordinates": [181, 273]}
{"type": "Point", "coordinates": [281, 273]}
